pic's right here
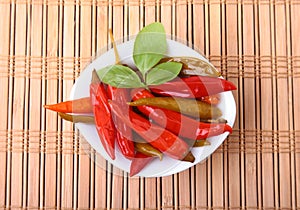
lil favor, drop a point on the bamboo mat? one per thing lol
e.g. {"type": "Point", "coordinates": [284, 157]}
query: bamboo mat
{"type": "Point", "coordinates": [45, 163]}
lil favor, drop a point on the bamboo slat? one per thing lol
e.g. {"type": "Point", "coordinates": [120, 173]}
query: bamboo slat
{"type": "Point", "coordinates": [282, 104]}
{"type": "Point", "coordinates": [85, 50]}
{"type": "Point", "coordinates": [69, 163]}
{"type": "Point", "coordinates": [100, 163]}
{"type": "Point", "coordinates": [295, 32]}
{"type": "Point", "coordinates": [49, 161]}
{"type": "Point", "coordinates": [269, 176]}
{"type": "Point", "coordinates": [199, 41]}
{"type": "Point", "coordinates": [232, 48]}
{"type": "Point", "coordinates": [216, 160]}
{"type": "Point", "coordinates": [9, 109]}
{"type": "Point", "coordinates": [151, 14]}
{"type": "Point", "coordinates": [62, 188]}
{"type": "Point", "coordinates": [45, 163]}
{"type": "Point", "coordinates": [36, 29]}
{"type": "Point", "coordinates": [290, 106]}
{"type": "Point", "coordinates": [26, 118]}
{"type": "Point", "coordinates": [4, 93]}
{"type": "Point", "coordinates": [250, 105]}
{"type": "Point", "coordinates": [117, 182]}
{"type": "Point", "coordinates": [17, 117]}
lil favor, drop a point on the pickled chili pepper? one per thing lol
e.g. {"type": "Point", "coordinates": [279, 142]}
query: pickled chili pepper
{"type": "Point", "coordinates": [213, 99]}
{"type": "Point", "coordinates": [77, 118]}
{"type": "Point", "coordinates": [189, 157]}
{"type": "Point", "coordinates": [201, 143]}
{"type": "Point", "coordinates": [194, 66]}
{"type": "Point", "coordinates": [219, 120]}
{"type": "Point", "coordinates": [163, 140]}
{"type": "Point", "coordinates": [139, 162]}
{"type": "Point", "coordinates": [123, 132]}
{"type": "Point", "coordinates": [82, 105]}
{"type": "Point", "coordinates": [177, 123]}
{"type": "Point", "coordinates": [148, 149]}
{"type": "Point", "coordinates": [193, 87]}
{"type": "Point", "coordinates": [103, 118]}
{"type": "Point", "coordinates": [190, 107]}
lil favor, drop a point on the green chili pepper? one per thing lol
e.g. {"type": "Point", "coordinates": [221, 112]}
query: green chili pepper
{"type": "Point", "coordinates": [189, 157]}
{"type": "Point", "coordinates": [189, 107]}
{"type": "Point", "coordinates": [147, 149]}
{"type": "Point", "coordinates": [219, 120]}
{"type": "Point", "coordinates": [76, 118]}
{"type": "Point", "coordinates": [201, 143]}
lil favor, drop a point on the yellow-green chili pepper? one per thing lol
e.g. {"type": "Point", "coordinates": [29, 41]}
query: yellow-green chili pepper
{"type": "Point", "coordinates": [190, 107]}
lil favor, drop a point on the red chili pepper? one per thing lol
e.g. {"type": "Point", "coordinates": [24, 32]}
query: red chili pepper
{"type": "Point", "coordinates": [193, 87]}
{"type": "Point", "coordinates": [123, 132]}
{"type": "Point", "coordinates": [82, 105]}
{"type": "Point", "coordinates": [160, 138]}
{"type": "Point", "coordinates": [103, 118]}
{"type": "Point", "coordinates": [139, 162]}
{"type": "Point", "coordinates": [180, 124]}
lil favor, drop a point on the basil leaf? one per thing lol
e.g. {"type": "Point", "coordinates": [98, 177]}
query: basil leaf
{"type": "Point", "coordinates": [150, 46]}
{"type": "Point", "coordinates": [163, 72]}
{"type": "Point", "coordinates": [120, 76]}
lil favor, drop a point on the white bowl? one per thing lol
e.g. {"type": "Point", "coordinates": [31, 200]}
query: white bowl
{"type": "Point", "coordinates": [156, 168]}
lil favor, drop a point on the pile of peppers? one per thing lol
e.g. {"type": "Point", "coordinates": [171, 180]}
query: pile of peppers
{"type": "Point", "coordinates": [168, 119]}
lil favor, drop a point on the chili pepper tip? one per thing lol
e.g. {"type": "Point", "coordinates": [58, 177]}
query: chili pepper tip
{"type": "Point", "coordinates": [49, 107]}
{"type": "Point", "coordinates": [228, 128]}
{"type": "Point", "coordinates": [95, 77]}
{"type": "Point", "coordinates": [189, 157]}
{"type": "Point", "coordinates": [139, 162]}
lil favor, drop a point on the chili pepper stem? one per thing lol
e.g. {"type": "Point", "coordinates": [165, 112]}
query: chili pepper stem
{"type": "Point", "coordinates": [117, 56]}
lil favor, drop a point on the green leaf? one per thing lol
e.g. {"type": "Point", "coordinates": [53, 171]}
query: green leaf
{"type": "Point", "coordinates": [149, 47]}
{"type": "Point", "coordinates": [120, 76]}
{"type": "Point", "coordinates": [163, 72]}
